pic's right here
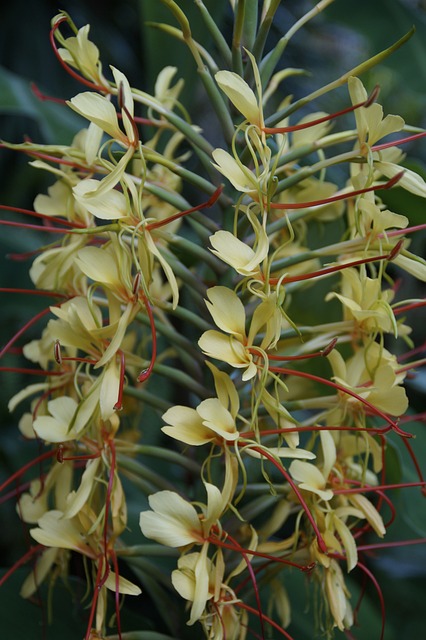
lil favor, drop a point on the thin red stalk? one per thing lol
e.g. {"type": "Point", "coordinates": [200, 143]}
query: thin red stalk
{"type": "Point", "coordinates": [43, 396]}
{"type": "Point", "coordinates": [222, 624]}
{"type": "Point", "coordinates": [416, 417]}
{"type": "Point", "coordinates": [381, 487]}
{"type": "Point", "coordinates": [327, 270]}
{"type": "Point", "coordinates": [334, 385]}
{"type": "Point", "coordinates": [22, 470]}
{"type": "Point", "coordinates": [221, 543]}
{"type": "Point", "coordinates": [77, 359]}
{"type": "Point", "coordinates": [389, 545]}
{"type": "Point", "coordinates": [411, 353]}
{"type": "Point", "coordinates": [15, 493]}
{"type": "Point", "coordinates": [411, 365]}
{"type": "Point", "coordinates": [117, 593]}
{"type": "Point", "coordinates": [27, 556]}
{"type": "Point", "coordinates": [108, 500]}
{"type": "Point", "coordinates": [395, 143]}
{"type": "Point", "coordinates": [36, 227]}
{"type": "Point", "coordinates": [409, 307]}
{"type": "Point", "coordinates": [296, 490]}
{"type": "Point", "coordinates": [324, 352]}
{"type": "Point", "coordinates": [415, 462]}
{"type": "Point", "coordinates": [34, 372]}
{"type": "Point", "coordinates": [399, 232]}
{"type": "Point", "coordinates": [204, 205]}
{"type": "Point", "coordinates": [341, 196]}
{"type": "Point", "coordinates": [328, 117]}
{"type": "Point", "coordinates": [379, 593]}
{"type": "Point", "coordinates": [145, 374]}
{"type": "Point", "coordinates": [71, 72]}
{"type": "Point", "coordinates": [119, 404]}
{"type": "Point", "coordinates": [43, 216]}
{"type": "Point", "coordinates": [266, 618]}
{"type": "Point", "coordinates": [253, 581]}
{"type": "Point", "coordinates": [26, 326]}
{"type": "Point", "coordinates": [32, 292]}
{"type": "Point", "coordinates": [25, 255]}
{"type": "Point", "coordinates": [96, 592]}
{"type": "Point", "coordinates": [43, 97]}
{"type": "Point", "coordinates": [92, 456]}
{"type": "Point", "coordinates": [316, 427]}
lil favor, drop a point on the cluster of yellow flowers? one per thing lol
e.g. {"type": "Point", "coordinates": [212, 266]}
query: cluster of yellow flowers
{"type": "Point", "coordinates": [289, 420]}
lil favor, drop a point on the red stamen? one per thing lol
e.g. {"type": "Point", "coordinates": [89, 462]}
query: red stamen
{"type": "Point", "coordinates": [119, 404]}
{"type": "Point", "coordinates": [322, 353]}
{"type": "Point", "coordinates": [409, 307]}
{"type": "Point", "coordinates": [32, 292]}
{"type": "Point", "coordinates": [296, 490]}
{"type": "Point", "coordinates": [26, 326]}
{"type": "Point", "coordinates": [33, 372]}
{"type": "Point", "coordinates": [43, 216]}
{"type": "Point", "coordinates": [204, 205]}
{"type": "Point", "coordinates": [27, 556]}
{"type": "Point", "coordinates": [145, 374]}
{"type": "Point", "coordinates": [398, 232]}
{"type": "Point", "coordinates": [334, 269]}
{"type": "Point", "coordinates": [389, 545]}
{"type": "Point", "coordinates": [117, 593]}
{"type": "Point", "coordinates": [220, 543]}
{"type": "Point", "coordinates": [43, 97]}
{"type": "Point", "coordinates": [379, 593]}
{"type": "Point", "coordinates": [35, 227]}
{"type": "Point", "coordinates": [24, 469]}
{"type": "Point", "coordinates": [266, 618]}
{"type": "Point", "coordinates": [395, 143]}
{"type": "Point", "coordinates": [68, 69]}
{"type": "Point", "coordinates": [381, 487]}
{"type": "Point", "coordinates": [334, 385]}
{"type": "Point", "coordinates": [96, 592]}
{"type": "Point", "coordinates": [298, 127]}
{"type": "Point", "coordinates": [342, 196]}
{"type": "Point", "coordinates": [253, 581]}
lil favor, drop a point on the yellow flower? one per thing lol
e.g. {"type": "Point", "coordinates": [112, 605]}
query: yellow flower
{"type": "Point", "coordinates": [228, 313]}
{"type": "Point", "coordinates": [365, 302]}
{"type": "Point", "coordinates": [210, 422]}
{"type": "Point", "coordinates": [370, 373]}
{"type": "Point", "coordinates": [238, 254]}
{"type": "Point", "coordinates": [242, 95]}
{"type": "Point", "coordinates": [371, 124]}
{"type": "Point", "coordinates": [81, 53]}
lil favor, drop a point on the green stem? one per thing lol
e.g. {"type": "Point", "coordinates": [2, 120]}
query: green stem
{"type": "Point", "coordinates": [250, 24]}
{"type": "Point", "coordinates": [215, 33]}
{"type": "Point", "coordinates": [355, 71]}
{"type": "Point", "coordinates": [264, 28]}
{"type": "Point", "coordinates": [147, 398]}
{"type": "Point", "coordinates": [237, 61]}
{"type": "Point", "coordinates": [182, 379]}
{"type": "Point", "coordinates": [218, 103]}
{"type": "Point", "coordinates": [141, 471]}
{"type": "Point", "coordinates": [188, 317]}
{"type": "Point", "coordinates": [198, 252]}
{"type": "Point", "coordinates": [156, 550]}
{"type": "Point", "coordinates": [197, 287]}
{"type": "Point", "coordinates": [271, 60]}
{"type": "Point", "coordinates": [168, 455]}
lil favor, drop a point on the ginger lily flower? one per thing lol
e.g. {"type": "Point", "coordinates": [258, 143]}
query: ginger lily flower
{"type": "Point", "coordinates": [242, 95]}
{"type": "Point", "coordinates": [209, 422]}
{"type": "Point", "coordinates": [229, 315]}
